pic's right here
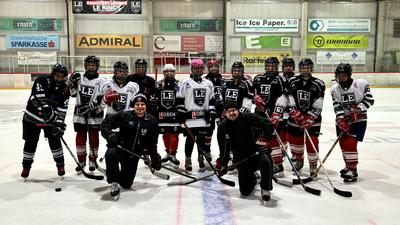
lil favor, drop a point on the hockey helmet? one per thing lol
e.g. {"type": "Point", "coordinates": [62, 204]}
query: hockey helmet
{"type": "Point", "coordinates": [197, 63]}
{"type": "Point", "coordinates": [169, 67]}
{"type": "Point", "coordinates": [141, 61]}
{"type": "Point", "coordinates": [237, 70]}
{"type": "Point", "coordinates": [343, 68]}
{"type": "Point", "coordinates": [287, 62]}
{"type": "Point", "coordinates": [272, 60]}
{"type": "Point", "coordinates": [92, 59]}
{"type": "Point", "coordinates": [120, 66]}
{"type": "Point", "coordinates": [306, 62]}
{"type": "Point", "coordinates": [59, 68]}
{"type": "Point", "coordinates": [212, 62]}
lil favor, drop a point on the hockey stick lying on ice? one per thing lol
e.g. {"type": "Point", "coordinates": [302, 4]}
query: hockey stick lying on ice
{"type": "Point", "coordinates": [200, 149]}
{"type": "Point", "coordinates": [90, 176]}
{"type": "Point", "coordinates": [148, 161]}
{"type": "Point", "coordinates": [295, 181]}
{"type": "Point", "coordinates": [346, 194]}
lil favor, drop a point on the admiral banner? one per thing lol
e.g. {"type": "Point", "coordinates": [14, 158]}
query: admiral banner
{"type": "Point", "coordinates": [258, 58]}
{"type": "Point", "coordinates": [37, 58]}
{"type": "Point", "coordinates": [266, 25]}
{"type": "Point", "coordinates": [337, 41]}
{"type": "Point", "coordinates": [29, 24]}
{"type": "Point", "coordinates": [109, 41]}
{"type": "Point", "coordinates": [266, 42]}
{"type": "Point", "coordinates": [107, 7]}
{"type": "Point", "coordinates": [339, 25]}
{"type": "Point", "coordinates": [334, 57]}
{"type": "Point", "coordinates": [33, 41]}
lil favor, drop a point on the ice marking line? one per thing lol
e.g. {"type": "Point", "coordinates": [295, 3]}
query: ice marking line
{"type": "Point", "coordinates": [217, 207]}
{"type": "Point", "coordinates": [372, 222]}
{"type": "Point", "coordinates": [6, 166]}
{"type": "Point", "coordinates": [179, 204]}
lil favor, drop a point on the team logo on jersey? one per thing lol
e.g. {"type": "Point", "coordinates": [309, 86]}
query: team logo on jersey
{"type": "Point", "coordinates": [121, 103]}
{"type": "Point", "coordinates": [217, 91]}
{"type": "Point", "coordinates": [199, 96]}
{"type": "Point", "coordinates": [265, 91]}
{"type": "Point", "coordinates": [231, 94]}
{"type": "Point", "coordinates": [167, 98]}
{"type": "Point", "coordinates": [87, 90]}
{"type": "Point", "coordinates": [303, 99]}
{"type": "Point", "coordinates": [348, 98]}
{"type": "Point", "coordinates": [143, 131]}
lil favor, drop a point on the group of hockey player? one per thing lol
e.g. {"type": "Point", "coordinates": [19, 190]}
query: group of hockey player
{"type": "Point", "coordinates": [247, 112]}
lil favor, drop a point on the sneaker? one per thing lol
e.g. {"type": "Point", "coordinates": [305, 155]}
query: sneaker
{"type": "Point", "coordinates": [188, 164]}
{"type": "Point", "coordinates": [166, 158]}
{"type": "Point", "coordinates": [174, 160]}
{"type": "Point", "coordinates": [350, 176]}
{"type": "Point", "coordinates": [25, 172]}
{"type": "Point", "coordinates": [115, 190]}
{"type": "Point", "coordinates": [279, 170]}
{"type": "Point", "coordinates": [313, 170]}
{"type": "Point", "coordinates": [201, 162]}
{"type": "Point", "coordinates": [61, 170]}
{"type": "Point", "coordinates": [78, 169]}
{"type": "Point", "coordinates": [265, 195]}
{"type": "Point", "coordinates": [92, 166]}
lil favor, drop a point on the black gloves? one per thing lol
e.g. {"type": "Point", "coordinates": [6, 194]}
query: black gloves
{"type": "Point", "coordinates": [73, 79]}
{"type": "Point", "coordinates": [211, 115]}
{"type": "Point", "coordinates": [58, 129]}
{"type": "Point", "coordinates": [112, 138]}
{"type": "Point", "coordinates": [155, 161]}
{"type": "Point", "coordinates": [181, 113]}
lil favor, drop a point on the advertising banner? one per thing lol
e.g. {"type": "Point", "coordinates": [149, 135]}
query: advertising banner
{"type": "Point", "coordinates": [37, 58]}
{"type": "Point", "coordinates": [107, 7]}
{"type": "Point", "coordinates": [29, 24]}
{"type": "Point", "coordinates": [109, 41]}
{"type": "Point", "coordinates": [266, 25]}
{"type": "Point", "coordinates": [337, 41]}
{"type": "Point", "coordinates": [167, 43]}
{"type": "Point", "coordinates": [258, 58]}
{"type": "Point", "coordinates": [187, 43]}
{"type": "Point", "coordinates": [33, 41]}
{"type": "Point", "coordinates": [191, 25]}
{"type": "Point", "coordinates": [339, 25]}
{"type": "Point", "coordinates": [266, 42]}
{"type": "Point", "coordinates": [333, 57]}
{"type": "Point", "coordinates": [214, 43]}
{"type": "Point", "coordinates": [193, 43]}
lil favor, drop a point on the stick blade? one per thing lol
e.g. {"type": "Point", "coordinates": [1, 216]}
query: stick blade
{"type": "Point", "coordinates": [161, 175]}
{"type": "Point", "coordinates": [346, 194]}
{"type": "Point", "coordinates": [305, 180]}
{"type": "Point", "coordinates": [312, 191]}
{"type": "Point", "coordinates": [226, 182]}
{"type": "Point", "coordinates": [91, 176]}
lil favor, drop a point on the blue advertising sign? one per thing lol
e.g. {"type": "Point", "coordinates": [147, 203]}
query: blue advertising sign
{"type": "Point", "coordinates": [33, 42]}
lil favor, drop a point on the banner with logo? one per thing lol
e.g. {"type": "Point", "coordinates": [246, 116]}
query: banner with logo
{"type": "Point", "coordinates": [337, 41]}
{"type": "Point", "coordinates": [258, 58]}
{"type": "Point", "coordinates": [109, 41]}
{"type": "Point", "coordinates": [266, 25]}
{"type": "Point", "coordinates": [37, 58]}
{"type": "Point", "coordinates": [336, 57]}
{"type": "Point", "coordinates": [191, 25]}
{"type": "Point", "coordinates": [188, 43]}
{"type": "Point", "coordinates": [266, 42]}
{"type": "Point", "coordinates": [339, 25]}
{"type": "Point", "coordinates": [33, 41]}
{"type": "Point", "coordinates": [30, 24]}
{"type": "Point", "coordinates": [107, 7]}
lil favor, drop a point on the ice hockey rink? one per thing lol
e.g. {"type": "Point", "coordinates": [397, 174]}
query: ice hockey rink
{"type": "Point", "coordinates": [375, 201]}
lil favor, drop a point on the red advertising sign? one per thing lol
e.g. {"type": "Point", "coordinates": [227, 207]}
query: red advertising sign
{"type": "Point", "coordinates": [192, 44]}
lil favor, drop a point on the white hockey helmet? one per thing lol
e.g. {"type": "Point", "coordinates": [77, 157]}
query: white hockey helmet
{"type": "Point", "coordinates": [169, 67]}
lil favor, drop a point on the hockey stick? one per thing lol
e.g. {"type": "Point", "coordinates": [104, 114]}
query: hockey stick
{"type": "Point", "coordinates": [222, 180]}
{"type": "Point", "coordinates": [90, 176]}
{"type": "Point", "coordinates": [148, 161]}
{"type": "Point", "coordinates": [346, 194]}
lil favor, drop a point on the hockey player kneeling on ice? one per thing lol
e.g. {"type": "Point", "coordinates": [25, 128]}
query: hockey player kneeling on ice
{"type": "Point", "coordinates": [138, 132]}
{"type": "Point", "coordinates": [351, 99]}
{"type": "Point", "coordinates": [235, 134]}
{"type": "Point", "coordinates": [46, 109]}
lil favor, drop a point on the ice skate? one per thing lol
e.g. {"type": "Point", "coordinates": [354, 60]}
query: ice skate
{"type": "Point", "coordinates": [78, 169]}
{"type": "Point", "coordinates": [61, 170]}
{"type": "Point", "coordinates": [92, 166]}
{"type": "Point", "coordinates": [201, 163]}
{"type": "Point", "coordinates": [174, 160]}
{"type": "Point", "coordinates": [279, 171]}
{"type": "Point", "coordinates": [265, 195]}
{"type": "Point", "coordinates": [350, 176]}
{"type": "Point", "coordinates": [25, 172]}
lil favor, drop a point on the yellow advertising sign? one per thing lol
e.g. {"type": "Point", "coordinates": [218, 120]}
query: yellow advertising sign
{"type": "Point", "coordinates": [109, 41]}
{"type": "Point", "coordinates": [337, 41]}
{"type": "Point", "coordinates": [258, 58]}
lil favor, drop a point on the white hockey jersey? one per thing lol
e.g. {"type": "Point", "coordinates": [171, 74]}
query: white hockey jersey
{"type": "Point", "coordinates": [357, 94]}
{"type": "Point", "coordinates": [126, 92]}
{"type": "Point", "coordinates": [198, 97]}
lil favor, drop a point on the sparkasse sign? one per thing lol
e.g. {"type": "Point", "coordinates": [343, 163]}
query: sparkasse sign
{"type": "Point", "coordinates": [108, 41]}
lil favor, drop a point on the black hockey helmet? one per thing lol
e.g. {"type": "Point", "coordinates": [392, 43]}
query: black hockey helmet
{"type": "Point", "coordinates": [120, 66]}
{"type": "Point", "coordinates": [288, 62]}
{"type": "Point", "coordinates": [272, 60]}
{"type": "Point", "coordinates": [141, 61]}
{"type": "Point", "coordinates": [343, 68]}
{"type": "Point", "coordinates": [306, 62]}
{"type": "Point", "coordinates": [238, 65]}
{"type": "Point", "coordinates": [92, 59]}
{"type": "Point", "coordinates": [59, 68]}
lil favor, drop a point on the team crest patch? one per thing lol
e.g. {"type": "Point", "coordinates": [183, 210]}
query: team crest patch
{"type": "Point", "coordinates": [167, 98]}
{"type": "Point", "coordinates": [199, 96]}
{"type": "Point", "coordinates": [349, 98]}
{"type": "Point", "coordinates": [143, 132]}
{"type": "Point", "coordinates": [303, 99]}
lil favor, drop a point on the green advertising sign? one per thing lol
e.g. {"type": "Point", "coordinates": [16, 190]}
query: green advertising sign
{"type": "Point", "coordinates": [28, 24]}
{"type": "Point", "coordinates": [337, 41]}
{"type": "Point", "coordinates": [191, 25]}
{"type": "Point", "coordinates": [266, 42]}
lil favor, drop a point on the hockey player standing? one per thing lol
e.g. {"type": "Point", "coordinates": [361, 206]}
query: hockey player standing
{"type": "Point", "coordinates": [306, 98]}
{"type": "Point", "coordinates": [86, 120]}
{"type": "Point", "coordinates": [351, 100]}
{"type": "Point", "coordinates": [171, 112]}
{"type": "Point", "coordinates": [138, 133]}
{"type": "Point", "coordinates": [235, 134]}
{"type": "Point", "coordinates": [199, 101]}
{"type": "Point", "coordinates": [269, 87]}
{"type": "Point", "coordinates": [46, 109]}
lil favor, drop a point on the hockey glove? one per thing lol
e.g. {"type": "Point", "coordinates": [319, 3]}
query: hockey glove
{"type": "Point", "coordinates": [260, 103]}
{"type": "Point", "coordinates": [355, 114]}
{"type": "Point", "coordinates": [308, 122]}
{"type": "Point", "coordinates": [73, 79]}
{"type": "Point", "coordinates": [47, 114]}
{"type": "Point", "coordinates": [275, 119]}
{"type": "Point", "coordinates": [58, 129]}
{"type": "Point", "coordinates": [112, 139]}
{"type": "Point", "coordinates": [110, 96]}
{"type": "Point", "coordinates": [297, 117]}
{"type": "Point", "coordinates": [155, 161]}
{"type": "Point", "coordinates": [342, 124]}
{"type": "Point", "coordinates": [181, 113]}
{"type": "Point", "coordinates": [223, 170]}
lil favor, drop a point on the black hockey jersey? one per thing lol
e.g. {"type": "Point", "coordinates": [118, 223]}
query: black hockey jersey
{"type": "Point", "coordinates": [269, 87]}
{"type": "Point", "coordinates": [239, 92]}
{"type": "Point", "coordinates": [146, 84]}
